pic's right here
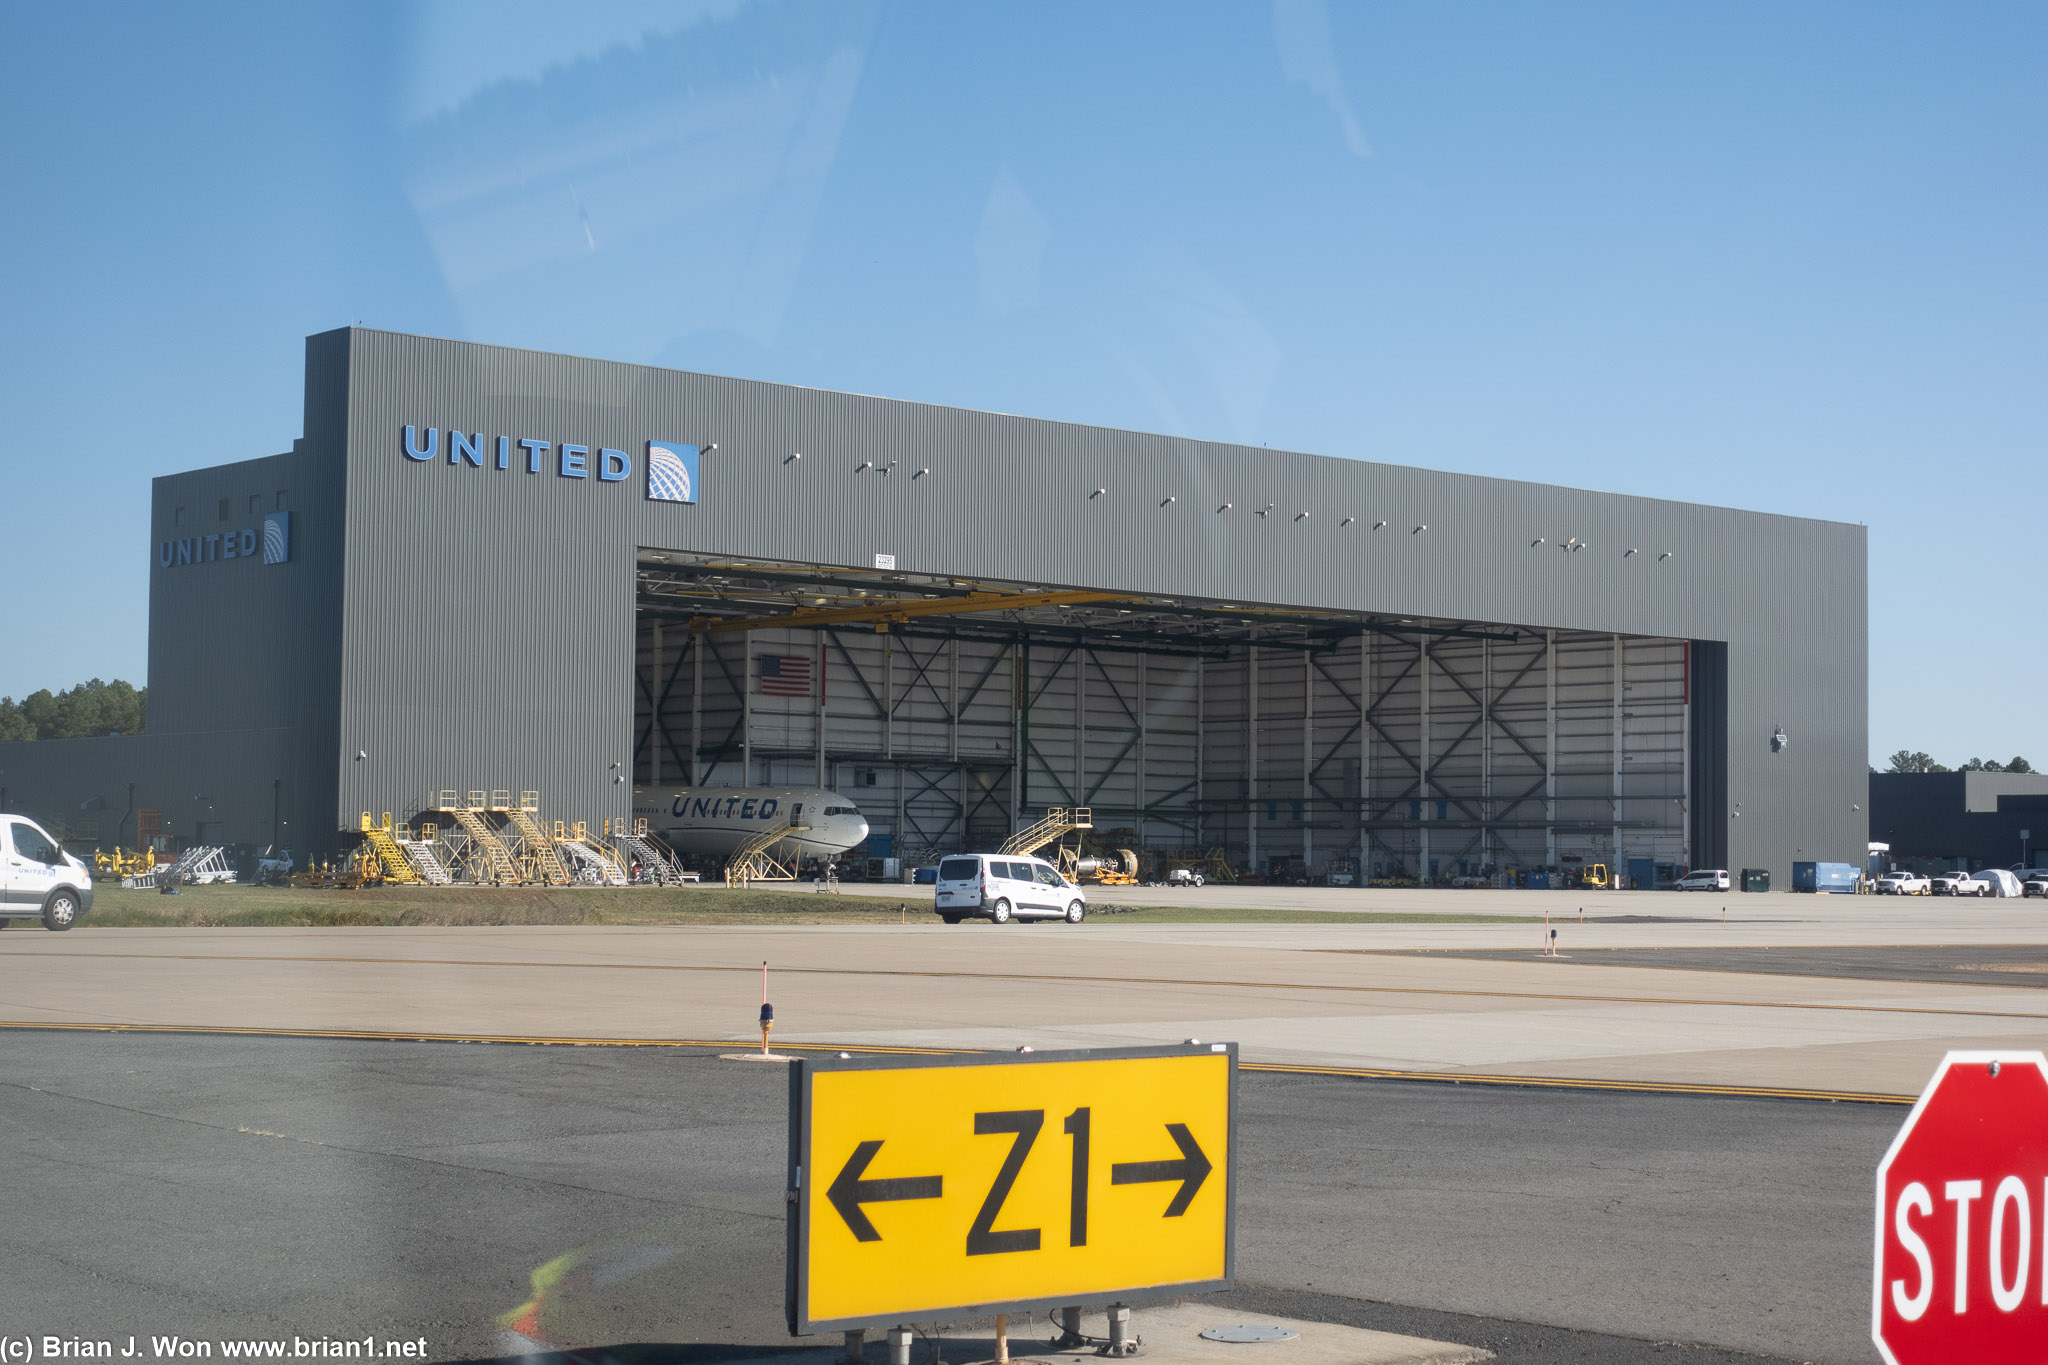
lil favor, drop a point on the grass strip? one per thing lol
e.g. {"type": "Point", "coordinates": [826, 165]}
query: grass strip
{"type": "Point", "coordinates": [221, 907]}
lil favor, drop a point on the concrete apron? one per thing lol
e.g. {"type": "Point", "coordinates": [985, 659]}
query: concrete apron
{"type": "Point", "coordinates": [1169, 1334]}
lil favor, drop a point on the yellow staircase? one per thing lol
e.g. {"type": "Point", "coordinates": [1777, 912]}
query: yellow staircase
{"type": "Point", "coordinates": [752, 861]}
{"type": "Point", "coordinates": [391, 859]}
{"type": "Point", "coordinates": [1058, 823]}
{"type": "Point", "coordinates": [486, 849]}
{"type": "Point", "coordinates": [534, 841]}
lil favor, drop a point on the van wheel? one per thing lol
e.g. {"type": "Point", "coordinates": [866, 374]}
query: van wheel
{"type": "Point", "coordinates": [60, 910]}
{"type": "Point", "coordinates": [1075, 911]}
{"type": "Point", "coordinates": [1000, 912]}
{"type": "Point", "coordinates": [950, 919]}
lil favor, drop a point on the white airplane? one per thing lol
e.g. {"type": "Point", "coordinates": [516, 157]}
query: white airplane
{"type": "Point", "coordinates": [715, 821]}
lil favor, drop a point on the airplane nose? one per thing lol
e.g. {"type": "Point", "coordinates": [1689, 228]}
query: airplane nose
{"type": "Point", "coordinates": [859, 823]}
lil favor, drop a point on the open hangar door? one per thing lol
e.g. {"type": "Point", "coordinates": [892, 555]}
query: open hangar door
{"type": "Point", "coordinates": [953, 711]}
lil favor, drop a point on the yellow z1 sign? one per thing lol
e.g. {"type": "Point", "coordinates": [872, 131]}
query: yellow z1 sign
{"type": "Point", "coordinates": [937, 1187]}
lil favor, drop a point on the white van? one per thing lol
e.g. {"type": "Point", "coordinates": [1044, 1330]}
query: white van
{"type": "Point", "coordinates": [38, 879]}
{"type": "Point", "coordinates": [1003, 887]}
{"type": "Point", "coordinates": [1706, 879]}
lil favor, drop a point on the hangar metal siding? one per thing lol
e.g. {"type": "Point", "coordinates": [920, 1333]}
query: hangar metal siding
{"type": "Point", "coordinates": [488, 616]}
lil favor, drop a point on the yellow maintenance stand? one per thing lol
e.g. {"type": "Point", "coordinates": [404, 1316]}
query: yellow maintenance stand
{"type": "Point", "coordinates": [536, 846]}
{"type": "Point", "coordinates": [392, 863]}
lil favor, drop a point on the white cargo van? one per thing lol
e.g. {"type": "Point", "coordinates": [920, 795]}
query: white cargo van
{"type": "Point", "coordinates": [1003, 887]}
{"type": "Point", "coordinates": [38, 879]}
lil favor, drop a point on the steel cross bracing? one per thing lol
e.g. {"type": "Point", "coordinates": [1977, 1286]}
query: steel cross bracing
{"type": "Point", "coordinates": [1404, 744]}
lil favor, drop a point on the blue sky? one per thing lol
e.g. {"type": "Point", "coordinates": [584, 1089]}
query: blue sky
{"type": "Point", "coordinates": [1787, 257]}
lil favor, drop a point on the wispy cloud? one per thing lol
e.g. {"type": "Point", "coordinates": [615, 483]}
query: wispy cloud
{"type": "Point", "coordinates": [1010, 247]}
{"type": "Point", "coordinates": [1301, 30]}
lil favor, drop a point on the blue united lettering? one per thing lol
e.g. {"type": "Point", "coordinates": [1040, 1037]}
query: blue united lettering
{"type": "Point", "coordinates": [570, 459]}
{"type": "Point", "coordinates": [206, 549]}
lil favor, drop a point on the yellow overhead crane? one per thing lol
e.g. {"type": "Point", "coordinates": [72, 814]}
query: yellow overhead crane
{"type": "Point", "coordinates": [902, 609]}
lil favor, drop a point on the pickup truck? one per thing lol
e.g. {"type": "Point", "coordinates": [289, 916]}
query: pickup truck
{"type": "Point", "coordinates": [1904, 884]}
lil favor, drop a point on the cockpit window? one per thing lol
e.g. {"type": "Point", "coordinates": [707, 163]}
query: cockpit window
{"type": "Point", "coordinates": [842, 810]}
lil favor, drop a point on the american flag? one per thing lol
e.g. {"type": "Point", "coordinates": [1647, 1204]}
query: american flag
{"type": "Point", "coordinates": [784, 675]}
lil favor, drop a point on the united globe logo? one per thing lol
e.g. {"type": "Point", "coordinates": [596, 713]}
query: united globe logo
{"type": "Point", "coordinates": [277, 538]}
{"type": "Point", "coordinates": [671, 472]}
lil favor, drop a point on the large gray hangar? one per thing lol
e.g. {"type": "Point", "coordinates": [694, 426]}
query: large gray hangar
{"type": "Point", "coordinates": [484, 568]}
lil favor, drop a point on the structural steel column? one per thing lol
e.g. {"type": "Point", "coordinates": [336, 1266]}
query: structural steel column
{"type": "Point", "coordinates": [1364, 757]}
{"type": "Point", "coordinates": [1550, 748]}
{"type": "Point", "coordinates": [1308, 759]}
{"type": "Point", "coordinates": [1143, 662]}
{"type": "Point", "coordinates": [1201, 748]}
{"type": "Point", "coordinates": [1081, 725]}
{"type": "Point", "coordinates": [1685, 747]}
{"type": "Point", "coordinates": [1020, 727]}
{"type": "Point", "coordinates": [821, 711]}
{"type": "Point", "coordinates": [747, 708]}
{"type": "Point", "coordinates": [953, 700]}
{"type": "Point", "coordinates": [1486, 753]}
{"type": "Point", "coordinates": [1620, 860]}
{"type": "Point", "coordinates": [889, 738]}
{"type": "Point", "coordinates": [654, 732]}
{"type": "Point", "coordinates": [953, 730]}
{"type": "Point", "coordinates": [1422, 759]}
{"type": "Point", "coordinates": [696, 710]}
{"type": "Point", "coordinates": [1251, 755]}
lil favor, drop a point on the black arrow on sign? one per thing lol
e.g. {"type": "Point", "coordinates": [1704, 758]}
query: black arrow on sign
{"type": "Point", "coordinates": [849, 1191]}
{"type": "Point", "coordinates": [1191, 1170]}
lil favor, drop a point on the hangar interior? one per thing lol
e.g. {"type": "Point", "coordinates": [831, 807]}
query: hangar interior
{"type": "Point", "coordinates": [955, 710]}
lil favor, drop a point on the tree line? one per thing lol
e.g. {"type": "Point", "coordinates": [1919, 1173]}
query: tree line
{"type": "Point", "coordinates": [91, 708]}
{"type": "Point", "coordinates": [1913, 761]}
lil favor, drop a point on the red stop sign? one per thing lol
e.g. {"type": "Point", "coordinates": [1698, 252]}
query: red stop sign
{"type": "Point", "coordinates": [1962, 1217]}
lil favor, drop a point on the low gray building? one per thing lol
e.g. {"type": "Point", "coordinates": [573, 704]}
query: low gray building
{"type": "Point", "coordinates": [489, 569]}
{"type": "Point", "coordinates": [1960, 821]}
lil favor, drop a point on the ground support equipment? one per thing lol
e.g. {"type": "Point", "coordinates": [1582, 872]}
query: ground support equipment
{"type": "Point", "coordinates": [381, 841]}
{"type": "Point", "coordinates": [755, 860]}
{"type": "Point", "coordinates": [657, 864]}
{"type": "Point", "coordinates": [476, 850]}
{"type": "Point", "coordinates": [536, 847]}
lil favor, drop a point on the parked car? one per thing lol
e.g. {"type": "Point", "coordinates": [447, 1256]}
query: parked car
{"type": "Point", "coordinates": [1704, 879]}
{"type": "Point", "coordinates": [2036, 885]}
{"type": "Point", "coordinates": [1002, 887]}
{"type": "Point", "coordinates": [38, 879]}
{"type": "Point", "coordinates": [1971, 884]}
{"type": "Point", "coordinates": [1904, 884]}
{"type": "Point", "coordinates": [1945, 884]}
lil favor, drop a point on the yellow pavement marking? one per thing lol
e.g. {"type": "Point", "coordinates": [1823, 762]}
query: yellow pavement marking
{"type": "Point", "coordinates": [1063, 978]}
{"type": "Point", "coordinates": [1581, 1083]}
{"type": "Point", "coordinates": [1287, 1068]}
{"type": "Point", "coordinates": [418, 1036]}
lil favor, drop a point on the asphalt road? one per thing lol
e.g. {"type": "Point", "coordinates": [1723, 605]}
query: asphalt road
{"type": "Point", "coordinates": [234, 1187]}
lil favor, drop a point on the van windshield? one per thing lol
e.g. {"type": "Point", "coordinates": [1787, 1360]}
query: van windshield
{"type": "Point", "coordinates": [959, 869]}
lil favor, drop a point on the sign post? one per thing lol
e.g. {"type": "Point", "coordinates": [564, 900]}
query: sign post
{"type": "Point", "coordinates": [1961, 1265]}
{"type": "Point", "coordinates": [944, 1187]}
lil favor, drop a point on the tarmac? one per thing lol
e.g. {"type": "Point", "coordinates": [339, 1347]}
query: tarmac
{"type": "Point", "coordinates": [1473, 1000]}
{"type": "Point", "coordinates": [630, 1200]}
